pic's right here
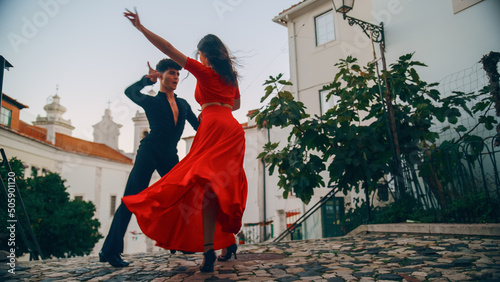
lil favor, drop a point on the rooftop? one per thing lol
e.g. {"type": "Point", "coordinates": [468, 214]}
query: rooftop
{"type": "Point", "coordinates": [79, 146]}
{"type": "Point", "coordinates": [64, 142]}
{"type": "Point", "coordinates": [13, 101]}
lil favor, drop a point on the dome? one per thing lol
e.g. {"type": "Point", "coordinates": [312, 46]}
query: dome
{"type": "Point", "coordinates": [55, 106]}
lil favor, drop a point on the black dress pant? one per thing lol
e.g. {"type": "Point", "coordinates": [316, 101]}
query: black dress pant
{"type": "Point", "coordinates": [148, 159]}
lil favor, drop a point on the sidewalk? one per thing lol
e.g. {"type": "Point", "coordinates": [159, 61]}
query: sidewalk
{"type": "Point", "coordinates": [362, 257]}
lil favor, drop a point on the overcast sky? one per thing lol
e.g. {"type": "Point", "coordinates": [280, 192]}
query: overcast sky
{"type": "Point", "coordinates": [93, 53]}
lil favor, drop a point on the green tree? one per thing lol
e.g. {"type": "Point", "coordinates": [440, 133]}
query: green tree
{"type": "Point", "coordinates": [352, 138]}
{"type": "Point", "coordinates": [63, 227]}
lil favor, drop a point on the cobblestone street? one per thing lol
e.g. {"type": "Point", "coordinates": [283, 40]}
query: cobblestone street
{"type": "Point", "coordinates": [366, 257]}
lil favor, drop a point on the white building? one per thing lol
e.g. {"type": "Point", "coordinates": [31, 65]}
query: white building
{"type": "Point", "coordinates": [449, 36]}
{"type": "Point", "coordinates": [94, 171]}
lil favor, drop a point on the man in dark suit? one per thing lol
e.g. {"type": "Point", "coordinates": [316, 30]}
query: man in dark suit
{"type": "Point", "coordinates": [167, 115]}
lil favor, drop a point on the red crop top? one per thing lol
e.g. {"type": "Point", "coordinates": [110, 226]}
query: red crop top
{"type": "Point", "coordinates": [209, 85]}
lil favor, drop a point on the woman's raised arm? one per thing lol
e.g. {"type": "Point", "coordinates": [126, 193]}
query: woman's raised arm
{"type": "Point", "coordinates": [160, 43]}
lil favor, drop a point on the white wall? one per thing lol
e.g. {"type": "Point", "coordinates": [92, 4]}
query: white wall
{"type": "Point", "coordinates": [253, 170]}
{"type": "Point", "coordinates": [446, 42]}
{"type": "Point", "coordinates": [13, 144]}
{"type": "Point", "coordinates": [314, 65]}
{"type": "Point", "coordinates": [81, 179]}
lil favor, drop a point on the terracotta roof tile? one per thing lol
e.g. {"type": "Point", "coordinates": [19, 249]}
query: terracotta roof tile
{"type": "Point", "coordinates": [72, 144]}
{"type": "Point", "coordinates": [251, 112]}
{"type": "Point", "coordinates": [284, 11]}
{"type": "Point", "coordinates": [33, 131]}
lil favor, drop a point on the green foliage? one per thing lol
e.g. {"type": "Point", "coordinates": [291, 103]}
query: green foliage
{"type": "Point", "coordinates": [73, 230]}
{"type": "Point", "coordinates": [354, 137]}
{"type": "Point", "coordinates": [282, 110]}
{"type": "Point", "coordinates": [63, 227]}
{"type": "Point", "coordinates": [469, 208]}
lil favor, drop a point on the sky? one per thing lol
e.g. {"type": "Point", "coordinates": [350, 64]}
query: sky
{"type": "Point", "coordinates": [88, 53]}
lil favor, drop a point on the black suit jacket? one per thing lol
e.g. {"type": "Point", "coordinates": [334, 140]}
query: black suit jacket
{"type": "Point", "coordinates": [164, 133]}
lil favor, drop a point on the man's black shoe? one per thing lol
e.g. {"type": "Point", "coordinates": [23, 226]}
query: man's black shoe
{"type": "Point", "coordinates": [113, 259]}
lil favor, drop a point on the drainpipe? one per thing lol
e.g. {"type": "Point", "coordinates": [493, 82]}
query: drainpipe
{"type": "Point", "coordinates": [264, 192]}
{"type": "Point", "coordinates": [264, 183]}
{"type": "Point", "coordinates": [295, 61]}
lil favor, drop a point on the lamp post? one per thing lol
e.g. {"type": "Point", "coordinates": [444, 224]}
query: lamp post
{"type": "Point", "coordinates": [374, 32]}
{"type": "Point", "coordinates": [4, 64]}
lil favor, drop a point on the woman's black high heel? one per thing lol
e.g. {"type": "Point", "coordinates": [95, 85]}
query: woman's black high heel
{"type": "Point", "coordinates": [230, 250]}
{"type": "Point", "coordinates": [209, 256]}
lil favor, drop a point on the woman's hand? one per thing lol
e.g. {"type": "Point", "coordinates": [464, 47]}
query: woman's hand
{"type": "Point", "coordinates": [153, 74]}
{"type": "Point", "coordinates": [134, 18]}
{"type": "Point", "coordinates": [160, 43]}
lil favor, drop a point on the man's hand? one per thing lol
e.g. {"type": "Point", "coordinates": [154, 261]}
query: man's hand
{"type": "Point", "coordinates": [153, 74]}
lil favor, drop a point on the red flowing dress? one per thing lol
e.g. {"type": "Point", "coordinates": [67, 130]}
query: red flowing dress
{"type": "Point", "coordinates": [170, 210]}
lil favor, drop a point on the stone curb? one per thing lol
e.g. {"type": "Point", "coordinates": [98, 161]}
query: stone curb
{"type": "Point", "coordinates": [486, 229]}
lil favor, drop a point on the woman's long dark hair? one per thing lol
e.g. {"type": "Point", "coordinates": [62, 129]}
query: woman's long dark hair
{"type": "Point", "coordinates": [218, 56]}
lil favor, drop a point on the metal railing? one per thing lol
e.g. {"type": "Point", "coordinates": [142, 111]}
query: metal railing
{"type": "Point", "coordinates": [253, 233]}
{"type": "Point", "coordinates": [14, 202]}
{"type": "Point", "coordinates": [445, 175]}
{"type": "Point", "coordinates": [467, 168]}
{"type": "Point", "coordinates": [306, 215]}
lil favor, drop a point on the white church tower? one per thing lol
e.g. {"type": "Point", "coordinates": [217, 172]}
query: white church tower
{"type": "Point", "coordinates": [54, 122]}
{"type": "Point", "coordinates": [141, 126]}
{"type": "Point", "coordinates": [141, 129]}
{"type": "Point", "coordinates": [107, 131]}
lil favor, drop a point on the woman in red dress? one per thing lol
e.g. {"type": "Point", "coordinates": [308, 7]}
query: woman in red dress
{"type": "Point", "coordinates": [199, 204]}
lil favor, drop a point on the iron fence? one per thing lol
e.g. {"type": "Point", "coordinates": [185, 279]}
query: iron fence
{"type": "Point", "coordinates": [445, 175]}
{"type": "Point", "coordinates": [253, 233]}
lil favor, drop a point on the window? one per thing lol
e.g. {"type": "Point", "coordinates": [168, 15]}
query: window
{"type": "Point", "coordinates": [326, 105]}
{"type": "Point", "coordinates": [34, 171]}
{"type": "Point", "coordinates": [6, 116]}
{"type": "Point", "coordinates": [25, 170]}
{"type": "Point", "coordinates": [325, 30]}
{"type": "Point", "coordinates": [79, 198]}
{"type": "Point", "coordinates": [112, 206]}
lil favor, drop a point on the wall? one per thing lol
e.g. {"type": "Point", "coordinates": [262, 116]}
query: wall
{"type": "Point", "coordinates": [314, 65]}
{"type": "Point", "coordinates": [14, 119]}
{"type": "Point", "coordinates": [446, 42]}
{"type": "Point", "coordinates": [31, 152]}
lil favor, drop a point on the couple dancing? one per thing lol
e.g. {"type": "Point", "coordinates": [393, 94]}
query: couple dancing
{"type": "Point", "coordinates": [198, 204]}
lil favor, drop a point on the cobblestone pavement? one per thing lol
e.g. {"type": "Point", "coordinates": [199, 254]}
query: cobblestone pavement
{"type": "Point", "coordinates": [369, 257]}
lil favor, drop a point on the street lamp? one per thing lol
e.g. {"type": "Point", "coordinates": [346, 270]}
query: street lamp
{"type": "Point", "coordinates": [344, 6]}
{"type": "Point", "coordinates": [374, 32]}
